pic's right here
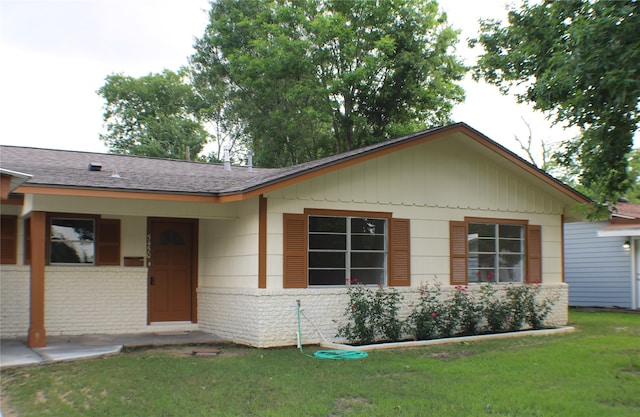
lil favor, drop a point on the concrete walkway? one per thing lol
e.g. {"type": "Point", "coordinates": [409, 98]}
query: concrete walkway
{"type": "Point", "coordinates": [15, 353]}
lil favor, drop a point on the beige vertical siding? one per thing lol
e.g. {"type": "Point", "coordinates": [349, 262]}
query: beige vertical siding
{"type": "Point", "coordinates": [431, 184]}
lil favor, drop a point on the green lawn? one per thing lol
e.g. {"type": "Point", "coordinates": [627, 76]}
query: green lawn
{"type": "Point", "coordinates": [594, 371]}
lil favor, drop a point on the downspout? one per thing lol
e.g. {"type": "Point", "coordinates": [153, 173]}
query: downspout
{"type": "Point", "coordinates": [634, 273]}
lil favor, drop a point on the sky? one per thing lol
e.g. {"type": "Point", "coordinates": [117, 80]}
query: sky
{"type": "Point", "coordinates": [57, 53]}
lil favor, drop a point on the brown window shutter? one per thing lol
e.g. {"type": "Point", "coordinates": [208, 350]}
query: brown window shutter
{"type": "Point", "coordinates": [27, 241]}
{"type": "Point", "coordinates": [9, 240]}
{"type": "Point", "coordinates": [458, 252]}
{"type": "Point", "coordinates": [534, 254]}
{"type": "Point", "coordinates": [295, 251]}
{"type": "Point", "coordinates": [108, 242]}
{"type": "Point", "coordinates": [399, 253]}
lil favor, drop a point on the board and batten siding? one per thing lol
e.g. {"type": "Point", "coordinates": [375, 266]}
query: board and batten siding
{"type": "Point", "coordinates": [431, 184]}
{"type": "Point", "coordinates": [597, 269]}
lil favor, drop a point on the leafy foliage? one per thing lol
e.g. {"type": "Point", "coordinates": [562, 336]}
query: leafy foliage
{"type": "Point", "coordinates": [372, 315]}
{"type": "Point", "coordinates": [577, 60]}
{"type": "Point", "coordinates": [151, 116]}
{"type": "Point", "coordinates": [311, 78]}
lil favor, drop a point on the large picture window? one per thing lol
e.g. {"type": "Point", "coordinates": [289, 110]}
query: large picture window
{"type": "Point", "coordinates": [72, 241]}
{"type": "Point", "coordinates": [341, 247]}
{"type": "Point", "coordinates": [343, 250]}
{"type": "Point", "coordinates": [496, 252]}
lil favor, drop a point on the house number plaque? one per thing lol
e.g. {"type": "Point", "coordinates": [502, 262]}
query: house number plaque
{"type": "Point", "coordinates": [149, 249]}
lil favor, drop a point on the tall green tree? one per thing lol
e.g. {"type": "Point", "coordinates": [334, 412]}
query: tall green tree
{"type": "Point", "coordinates": [579, 60]}
{"type": "Point", "coordinates": [310, 78]}
{"type": "Point", "coordinates": [154, 115]}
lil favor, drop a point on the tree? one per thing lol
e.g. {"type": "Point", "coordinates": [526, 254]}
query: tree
{"type": "Point", "coordinates": [153, 115]}
{"type": "Point", "coordinates": [577, 60]}
{"type": "Point", "coordinates": [311, 78]}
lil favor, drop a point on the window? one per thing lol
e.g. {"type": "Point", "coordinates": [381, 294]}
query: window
{"type": "Point", "coordinates": [495, 252]}
{"type": "Point", "coordinates": [333, 247]}
{"type": "Point", "coordinates": [344, 249]}
{"type": "Point", "coordinates": [72, 241]}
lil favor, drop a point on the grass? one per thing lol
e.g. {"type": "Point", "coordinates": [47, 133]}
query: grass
{"type": "Point", "coordinates": [594, 371]}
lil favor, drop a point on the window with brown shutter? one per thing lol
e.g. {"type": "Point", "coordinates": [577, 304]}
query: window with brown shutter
{"type": "Point", "coordinates": [330, 247]}
{"type": "Point", "coordinates": [458, 252]}
{"type": "Point", "coordinates": [534, 254]}
{"type": "Point", "coordinates": [495, 250]}
{"type": "Point", "coordinates": [27, 241]}
{"type": "Point", "coordinates": [108, 242]}
{"type": "Point", "coordinates": [399, 253]}
{"type": "Point", "coordinates": [8, 240]}
{"type": "Point", "coordinates": [295, 251]}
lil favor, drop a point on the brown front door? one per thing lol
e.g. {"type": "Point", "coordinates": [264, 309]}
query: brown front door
{"type": "Point", "coordinates": [171, 266]}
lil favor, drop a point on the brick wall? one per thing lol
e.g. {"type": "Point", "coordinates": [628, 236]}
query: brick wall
{"type": "Point", "coordinates": [267, 318]}
{"type": "Point", "coordinates": [89, 300]}
{"type": "Point", "coordinates": [14, 301]}
{"type": "Point", "coordinates": [78, 300]}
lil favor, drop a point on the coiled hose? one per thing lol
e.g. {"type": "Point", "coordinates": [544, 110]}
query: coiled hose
{"type": "Point", "coordinates": [328, 354]}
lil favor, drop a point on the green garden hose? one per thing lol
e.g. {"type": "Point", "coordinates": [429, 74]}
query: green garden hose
{"type": "Point", "coordinates": [329, 354]}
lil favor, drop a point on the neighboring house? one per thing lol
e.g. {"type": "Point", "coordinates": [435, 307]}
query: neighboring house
{"type": "Point", "coordinates": [601, 260]}
{"type": "Point", "coordinates": [105, 243]}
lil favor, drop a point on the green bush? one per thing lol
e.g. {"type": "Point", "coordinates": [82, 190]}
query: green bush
{"type": "Point", "coordinates": [372, 315]}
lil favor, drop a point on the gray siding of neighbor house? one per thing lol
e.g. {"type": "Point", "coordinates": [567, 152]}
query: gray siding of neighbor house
{"type": "Point", "coordinates": [597, 269]}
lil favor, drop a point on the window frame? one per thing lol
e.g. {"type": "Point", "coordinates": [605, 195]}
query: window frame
{"type": "Point", "coordinates": [107, 243]}
{"type": "Point", "coordinates": [50, 241]}
{"type": "Point", "coordinates": [459, 257]}
{"type": "Point", "coordinates": [494, 274]}
{"type": "Point", "coordinates": [295, 243]}
{"type": "Point", "coordinates": [348, 251]}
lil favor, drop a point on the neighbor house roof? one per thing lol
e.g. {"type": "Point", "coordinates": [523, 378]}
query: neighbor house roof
{"type": "Point", "coordinates": [67, 172]}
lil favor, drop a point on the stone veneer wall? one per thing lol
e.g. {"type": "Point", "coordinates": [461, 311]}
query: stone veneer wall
{"type": "Point", "coordinates": [14, 301]}
{"type": "Point", "coordinates": [268, 318]}
{"type": "Point", "coordinates": [78, 300]}
{"type": "Point", "coordinates": [95, 300]}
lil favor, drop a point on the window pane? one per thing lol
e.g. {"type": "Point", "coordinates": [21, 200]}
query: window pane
{"type": "Point", "coordinates": [367, 259]}
{"type": "Point", "coordinates": [482, 229]}
{"type": "Point", "coordinates": [510, 246]}
{"type": "Point", "coordinates": [510, 275]}
{"type": "Point", "coordinates": [486, 245]}
{"type": "Point", "coordinates": [510, 260]}
{"type": "Point", "coordinates": [481, 275]}
{"type": "Point", "coordinates": [486, 261]}
{"type": "Point", "coordinates": [322, 241]}
{"type": "Point", "coordinates": [511, 231]}
{"type": "Point", "coordinates": [327, 224]}
{"type": "Point", "coordinates": [326, 276]}
{"type": "Point", "coordinates": [72, 241]}
{"type": "Point", "coordinates": [367, 242]}
{"type": "Point", "coordinates": [72, 252]}
{"type": "Point", "coordinates": [327, 260]}
{"type": "Point", "coordinates": [72, 229]}
{"type": "Point", "coordinates": [368, 276]}
{"type": "Point", "coordinates": [369, 226]}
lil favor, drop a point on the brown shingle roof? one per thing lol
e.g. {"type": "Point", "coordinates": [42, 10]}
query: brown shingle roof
{"type": "Point", "coordinates": [71, 169]}
{"type": "Point", "coordinates": [57, 168]}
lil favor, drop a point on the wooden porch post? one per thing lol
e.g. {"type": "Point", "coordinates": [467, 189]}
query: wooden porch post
{"type": "Point", "coordinates": [37, 333]}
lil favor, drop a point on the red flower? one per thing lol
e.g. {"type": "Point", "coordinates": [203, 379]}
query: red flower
{"type": "Point", "coordinates": [433, 314]}
{"type": "Point", "coordinates": [353, 307]}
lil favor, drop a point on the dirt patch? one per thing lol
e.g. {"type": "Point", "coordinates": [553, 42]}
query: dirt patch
{"type": "Point", "coordinates": [194, 350]}
{"type": "Point", "coordinates": [349, 405]}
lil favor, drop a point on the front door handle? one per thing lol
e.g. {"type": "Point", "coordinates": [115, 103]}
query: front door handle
{"type": "Point", "coordinates": [152, 281]}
